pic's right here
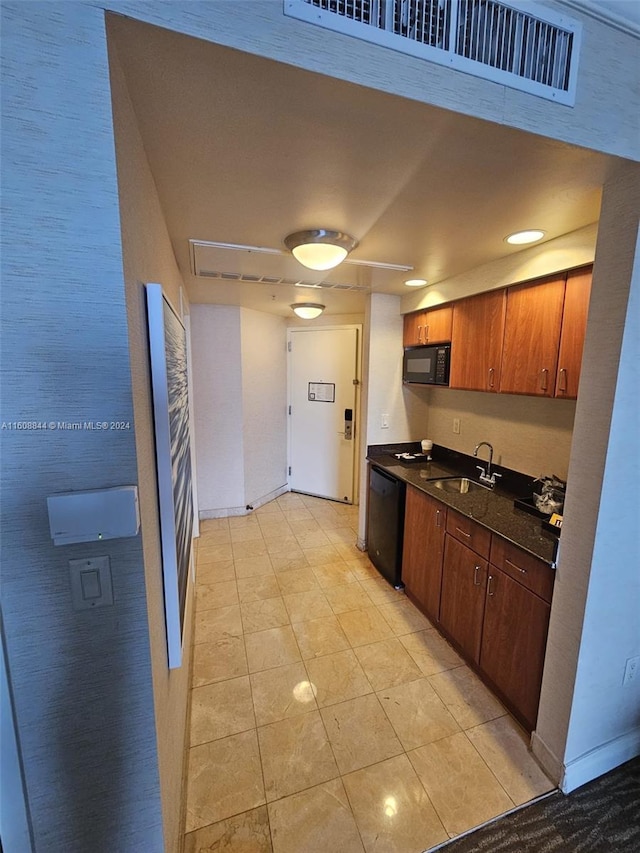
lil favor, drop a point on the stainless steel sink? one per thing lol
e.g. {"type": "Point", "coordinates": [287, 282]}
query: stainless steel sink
{"type": "Point", "coordinates": [461, 485]}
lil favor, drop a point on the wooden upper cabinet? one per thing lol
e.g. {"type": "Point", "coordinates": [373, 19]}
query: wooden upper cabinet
{"type": "Point", "coordinates": [476, 341]}
{"type": "Point", "coordinates": [412, 329]}
{"type": "Point", "coordinates": [432, 326]}
{"type": "Point", "coordinates": [438, 325]}
{"type": "Point", "coordinates": [574, 325]}
{"type": "Point", "coordinates": [531, 335]}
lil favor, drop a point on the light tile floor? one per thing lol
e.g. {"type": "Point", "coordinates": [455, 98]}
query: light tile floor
{"type": "Point", "coordinates": [327, 713]}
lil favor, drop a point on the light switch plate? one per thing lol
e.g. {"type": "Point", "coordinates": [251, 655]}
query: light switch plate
{"type": "Point", "coordinates": [91, 583]}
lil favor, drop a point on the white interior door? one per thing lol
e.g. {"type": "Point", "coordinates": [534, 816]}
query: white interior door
{"type": "Point", "coordinates": [322, 397]}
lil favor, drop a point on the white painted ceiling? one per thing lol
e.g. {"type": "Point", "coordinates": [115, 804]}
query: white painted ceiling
{"type": "Point", "coordinates": [246, 150]}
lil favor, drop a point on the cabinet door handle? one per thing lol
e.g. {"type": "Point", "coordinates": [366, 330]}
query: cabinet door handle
{"type": "Point", "coordinates": [464, 533]}
{"type": "Point", "coordinates": [544, 379]}
{"type": "Point", "coordinates": [419, 334]}
{"type": "Point", "coordinates": [490, 586]}
{"type": "Point", "coordinates": [438, 524]}
{"type": "Point", "coordinates": [426, 334]}
{"type": "Point", "coordinates": [562, 379]}
{"type": "Point", "coordinates": [517, 568]}
{"type": "Point", "coordinates": [476, 582]}
{"type": "Point", "coordinates": [491, 373]}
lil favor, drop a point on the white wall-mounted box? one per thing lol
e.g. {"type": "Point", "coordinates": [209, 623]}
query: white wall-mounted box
{"type": "Point", "coordinates": [92, 516]}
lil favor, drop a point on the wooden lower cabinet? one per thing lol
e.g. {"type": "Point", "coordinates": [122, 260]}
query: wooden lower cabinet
{"type": "Point", "coordinates": [464, 580]}
{"type": "Point", "coordinates": [424, 526]}
{"type": "Point", "coordinates": [514, 638]}
{"type": "Point", "coordinates": [496, 617]}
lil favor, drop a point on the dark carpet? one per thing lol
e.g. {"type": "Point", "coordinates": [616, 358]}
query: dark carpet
{"type": "Point", "coordinates": [601, 817]}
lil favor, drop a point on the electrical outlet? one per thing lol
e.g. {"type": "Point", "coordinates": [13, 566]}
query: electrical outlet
{"type": "Point", "coordinates": [456, 426]}
{"type": "Point", "coordinates": [631, 670]}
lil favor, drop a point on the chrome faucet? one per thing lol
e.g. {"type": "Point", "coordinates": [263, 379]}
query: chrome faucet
{"type": "Point", "coordinates": [488, 477]}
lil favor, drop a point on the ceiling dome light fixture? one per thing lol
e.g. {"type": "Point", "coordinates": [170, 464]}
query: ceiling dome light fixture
{"type": "Point", "coordinates": [416, 282]}
{"type": "Point", "coordinates": [308, 310]}
{"type": "Point", "coordinates": [320, 248]}
{"type": "Point", "coordinates": [521, 238]}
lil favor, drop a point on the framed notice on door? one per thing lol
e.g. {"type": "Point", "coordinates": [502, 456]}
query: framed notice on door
{"type": "Point", "coordinates": [322, 392]}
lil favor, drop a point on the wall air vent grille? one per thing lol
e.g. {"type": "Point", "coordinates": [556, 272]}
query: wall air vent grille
{"type": "Point", "coordinates": [532, 49]}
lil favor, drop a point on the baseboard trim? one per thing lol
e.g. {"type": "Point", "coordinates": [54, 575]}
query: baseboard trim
{"type": "Point", "coordinates": [281, 490]}
{"type": "Point", "coordinates": [550, 762]}
{"type": "Point", "coordinates": [600, 760]}
{"type": "Point", "coordinates": [228, 512]}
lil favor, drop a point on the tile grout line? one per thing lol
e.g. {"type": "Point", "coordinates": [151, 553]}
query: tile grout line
{"type": "Point", "coordinates": [343, 560]}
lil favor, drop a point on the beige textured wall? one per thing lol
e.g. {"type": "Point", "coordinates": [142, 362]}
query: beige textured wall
{"type": "Point", "coordinates": [328, 320]}
{"type": "Point", "coordinates": [603, 118]}
{"type": "Point", "coordinates": [148, 257]}
{"type": "Point", "coordinates": [529, 434]}
{"type": "Point", "coordinates": [81, 679]}
{"type": "Point", "coordinates": [588, 719]}
{"type": "Point", "coordinates": [570, 250]}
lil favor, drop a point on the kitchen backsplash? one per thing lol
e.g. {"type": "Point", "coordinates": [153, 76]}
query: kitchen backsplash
{"type": "Point", "coordinates": [529, 434]}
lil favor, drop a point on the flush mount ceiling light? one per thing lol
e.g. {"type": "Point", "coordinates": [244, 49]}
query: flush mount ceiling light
{"type": "Point", "coordinates": [416, 282]}
{"type": "Point", "coordinates": [308, 310]}
{"type": "Point", "coordinates": [520, 238]}
{"type": "Point", "coordinates": [319, 248]}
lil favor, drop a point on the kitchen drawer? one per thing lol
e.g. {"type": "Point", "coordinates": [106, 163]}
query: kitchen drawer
{"type": "Point", "coordinates": [535, 574]}
{"type": "Point", "coordinates": [469, 533]}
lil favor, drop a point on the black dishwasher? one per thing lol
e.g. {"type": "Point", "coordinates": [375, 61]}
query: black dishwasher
{"type": "Point", "coordinates": [385, 524]}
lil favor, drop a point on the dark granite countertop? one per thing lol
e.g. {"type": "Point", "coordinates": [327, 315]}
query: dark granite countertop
{"type": "Point", "coordinates": [492, 509]}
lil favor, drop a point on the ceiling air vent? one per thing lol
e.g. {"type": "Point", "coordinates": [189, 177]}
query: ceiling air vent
{"type": "Point", "coordinates": [508, 43]}
{"type": "Point", "coordinates": [264, 279]}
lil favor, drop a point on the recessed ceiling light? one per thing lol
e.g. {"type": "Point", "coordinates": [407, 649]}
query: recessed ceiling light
{"type": "Point", "coordinates": [416, 282]}
{"type": "Point", "coordinates": [520, 238]}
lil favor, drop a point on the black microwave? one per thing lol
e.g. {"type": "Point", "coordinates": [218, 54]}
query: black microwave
{"type": "Point", "coordinates": [427, 365]}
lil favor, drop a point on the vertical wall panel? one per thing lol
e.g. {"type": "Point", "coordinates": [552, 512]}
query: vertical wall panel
{"type": "Point", "coordinates": [588, 719]}
{"type": "Point", "coordinates": [217, 388]}
{"type": "Point", "coordinates": [82, 680]}
{"type": "Point", "coordinates": [264, 394]}
{"type": "Point", "coordinates": [148, 256]}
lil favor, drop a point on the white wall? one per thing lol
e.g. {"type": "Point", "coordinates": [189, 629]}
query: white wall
{"type": "Point", "coordinates": [264, 396]}
{"type": "Point", "coordinates": [240, 394]}
{"type": "Point", "coordinates": [383, 391]}
{"type": "Point", "coordinates": [218, 413]}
